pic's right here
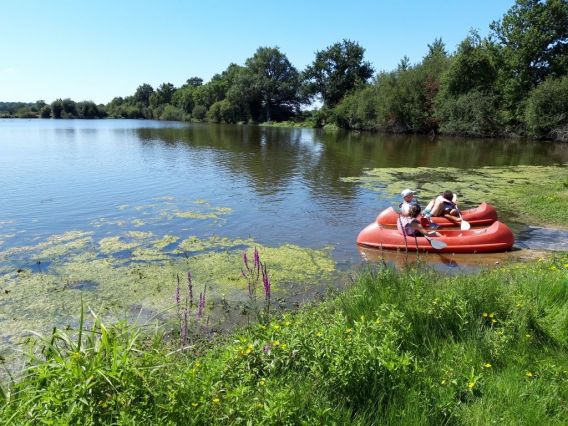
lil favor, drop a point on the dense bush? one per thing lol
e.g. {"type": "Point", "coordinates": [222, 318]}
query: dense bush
{"type": "Point", "coordinates": [171, 113]}
{"type": "Point", "coordinates": [474, 113]}
{"type": "Point", "coordinates": [547, 110]}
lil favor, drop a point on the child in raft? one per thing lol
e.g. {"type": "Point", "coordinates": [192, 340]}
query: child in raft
{"type": "Point", "coordinates": [410, 226]}
{"type": "Point", "coordinates": [444, 205]}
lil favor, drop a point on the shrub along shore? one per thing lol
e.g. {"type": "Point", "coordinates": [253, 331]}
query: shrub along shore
{"type": "Point", "coordinates": [409, 347]}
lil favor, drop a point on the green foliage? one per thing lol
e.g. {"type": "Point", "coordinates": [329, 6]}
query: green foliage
{"type": "Point", "coordinates": [475, 113]}
{"type": "Point", "coordinates": [88, 109]}
{"type": "Point", "coordinates": [171, 113]}
{"type": "Point", "coordinates": [223, 111]}
{"type": "Point", "coordinates": [57, 108]}
{"type": "Point", "coordinates": [533, 36]}
{"type": "Point", "coordinates": [143, 94]}
{"type": "Point", "coordinates": [162, 96]}
{"type": "Point", "coordinates": [199, 112]}
{"type": "Point", "coordinates": [45, 112]}
{"type": "Point", "coordinates": [336, 71]}
{"type": "Point", "coordinates": [399, 101]}
{"type": "Point", "coordinates": [410, 347]}
{"type": "Point", "coordinates": [547, 110]}
{"type": "Point", "coordinates": [272, 82]}
{"type": "Point", "coordinates": [472, 67]}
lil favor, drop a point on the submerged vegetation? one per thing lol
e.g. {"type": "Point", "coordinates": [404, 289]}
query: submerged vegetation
{"type": "Point", "coordinates": [537, 194]}
{"type": "Point", "coordinates": [513, 82]}
{"type": "Point", "coordinates": [407, 347]}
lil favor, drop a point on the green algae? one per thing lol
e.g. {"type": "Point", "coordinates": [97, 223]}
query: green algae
{"type": "Point", "coordinates": [533, 194]}
{"type": "Point", "coordinates": [165, 241]}
{"type": "Point", "coordinates": [146, 278]}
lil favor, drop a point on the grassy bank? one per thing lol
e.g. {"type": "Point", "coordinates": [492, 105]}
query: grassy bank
{"type": "Point", "coordinates": [406, 348]}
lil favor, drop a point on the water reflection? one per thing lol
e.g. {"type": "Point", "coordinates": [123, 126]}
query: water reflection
{"type": "Point", "coordinates": [282, 185]}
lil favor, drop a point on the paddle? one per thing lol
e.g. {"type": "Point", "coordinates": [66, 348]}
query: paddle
{"type": "Point", "coordinates": [465, 225]}
{"type": "Point", "coordinates": [437, 244]}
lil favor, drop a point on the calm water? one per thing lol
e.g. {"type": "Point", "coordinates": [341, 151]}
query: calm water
{"type": "Point", "coordinates": [283, 185]}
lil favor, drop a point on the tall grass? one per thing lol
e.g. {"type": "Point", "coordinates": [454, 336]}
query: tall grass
{"type": "Point", "coordinates": [410, 347]}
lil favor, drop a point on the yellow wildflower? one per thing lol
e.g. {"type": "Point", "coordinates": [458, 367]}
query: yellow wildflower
{"type": "Point", "coordinates": [349, 330]}
{"type": "Point", "coordinates": [276, 342]}
{"type": "Point", "coordinates": [491, 315]}
{"type": "Point", "coordinates": [262, 382]}
{"type": "Point", "coordinates": [471, 385]}
{"type": "Point", "coordinates": [319, 334]}
{"type": "Point", "coordinates": [216, 400]}
{"type": "Point", "coordinates": [487, 365]}
{"type": "Point", "coordinates": [484, 315]}
{"type": "Point", "coordinates": [287, 323]}
{"type": "Point", "coordinates": [284, 345]}
{"type": "Point", "coordinates": [194, 404]}
{"type": "Point", "coordinates": [529, 374]}
{"type": "Point", "coordinates": [275, 326]}
{"type": "Point", "coordinates": [493, 321]}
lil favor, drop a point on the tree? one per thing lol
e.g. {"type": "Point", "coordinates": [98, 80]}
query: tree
{"type": "Point", "coordinates": [143, 93]}
{"type": "Point", "coordinates": [57, 108]}
{"type": "Point", "coordinates": [162, 95]}
{"type": "Point", "coordinates": [275, 81]}
{"type": "Point", "coordinates": [69, 107]}
{"type": "Point", "coordinates": [336, 71]}
{"type": "Point", "coordinates": [194, 82]}
{"type": "Point", "coordinates": [473, 67]}
{"type": "Point", "coordinates": [45, 112]}
{"type": "Point", "coordinates": [533, 36]}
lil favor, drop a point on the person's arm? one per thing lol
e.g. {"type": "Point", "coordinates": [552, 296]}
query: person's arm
{"type": "Point", "coordinates": [417, 226]}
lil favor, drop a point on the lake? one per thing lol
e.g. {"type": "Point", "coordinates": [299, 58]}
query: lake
{"type": "Point", "coordinates": [112, 211]}
{"type": "Point", "coordinates": [282, 185]}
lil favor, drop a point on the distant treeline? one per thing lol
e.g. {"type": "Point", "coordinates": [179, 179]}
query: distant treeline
{"type": "Point", "coordinates": [512, 82]}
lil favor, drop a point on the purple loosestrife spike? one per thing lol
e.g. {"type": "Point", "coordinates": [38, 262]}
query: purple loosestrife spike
{"type": "Point", "coordinates": [245, 260]}
{"type": "Point", "coordinates": [184, 327]}
{"type": "Point", "coordinates": [266, 282]}
{"type": "Point", "coordinates": [256, 258]}
{"type": "Point", "coordinates": [177, 297]}
{"type": "Point", "coordinates": [190, 288]}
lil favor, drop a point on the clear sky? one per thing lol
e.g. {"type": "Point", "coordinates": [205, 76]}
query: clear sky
{"type": "Point", "coordinates": [99, 49]}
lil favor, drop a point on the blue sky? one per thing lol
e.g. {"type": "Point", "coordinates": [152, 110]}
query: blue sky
{"type": "Point", "coordinates": [100, 49]}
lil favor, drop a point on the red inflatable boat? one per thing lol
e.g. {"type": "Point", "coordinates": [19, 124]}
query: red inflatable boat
{"type": "Point", "coordinates": [483, 215]}
{"type": "Point", "coordinates": [496, 237]}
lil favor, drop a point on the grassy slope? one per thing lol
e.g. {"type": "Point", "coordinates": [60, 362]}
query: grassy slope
{"type": "Point", "coordinates": [405, 348]}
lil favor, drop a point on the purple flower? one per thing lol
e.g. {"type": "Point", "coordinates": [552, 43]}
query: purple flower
{"type": "Point", "coordinates": [184, 327]}
{"type": "Point", "coordinates": [190, 288]}
{"type": "Point", "coordinates": [256, 259]}
{"type": "Point", "coordinates": [245, 260]}
{"type": "Point", "coordinates": [177, 296]}
{"type": "Point", "coordinates": [266, 282]}
{"type": "Point", "coordinates": [266, 349]}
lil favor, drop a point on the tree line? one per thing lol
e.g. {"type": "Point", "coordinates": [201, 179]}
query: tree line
{"type": "Point", "coordinates": [512, 82]}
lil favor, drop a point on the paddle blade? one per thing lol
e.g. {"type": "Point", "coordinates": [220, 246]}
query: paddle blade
{"type": "Point", "coordinates": [465, 226]}
{"type": "Point", "coordinates": [437, 244]}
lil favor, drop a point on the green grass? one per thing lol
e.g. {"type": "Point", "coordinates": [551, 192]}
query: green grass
{"type": "Point", "coordinates": [410, 347]}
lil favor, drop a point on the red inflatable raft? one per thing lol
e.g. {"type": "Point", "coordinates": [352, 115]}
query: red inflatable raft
{"type": "Point", "coordinates": [483, 215]}
{"type": "Point", "coordinates": [497, 237]}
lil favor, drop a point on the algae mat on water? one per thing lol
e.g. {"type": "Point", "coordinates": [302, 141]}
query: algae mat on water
{"type": "Point", "coordinates": [136, 269]}
{"type": "Point", "coordinates": [536, 195]}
